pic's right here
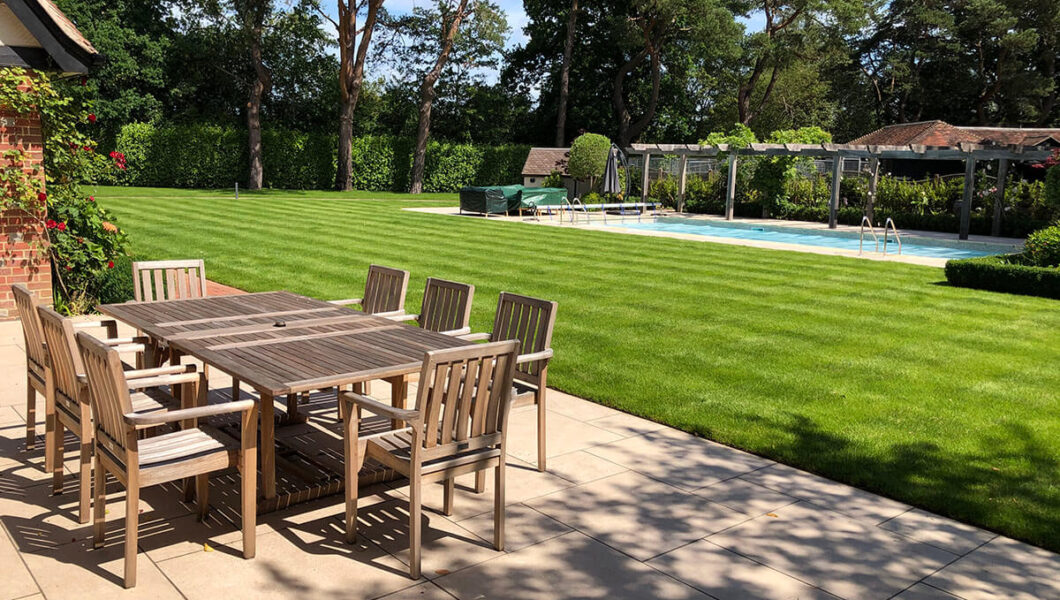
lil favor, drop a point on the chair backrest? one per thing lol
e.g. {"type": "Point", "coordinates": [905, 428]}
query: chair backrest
{"type": "Point", "coordinates": [27, 303]}
{"type": "Point", "coordinates": [446, 305]}
{"type": "Point", "coordinates": [464, 395]}
{"type": "Point", "coordinates": [529, 320]}
{"type": "Point", "coordinates": [384, 290]}
{"type": "Point", "coordinates": [66, 361]}
{"type": "Point", "coordinates": [168, 280]}
{"type": "Point", "coordinates": [109, 395]}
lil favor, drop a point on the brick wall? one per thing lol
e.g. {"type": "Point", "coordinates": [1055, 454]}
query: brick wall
{"type": "Point", "coordinates": [19, 261]}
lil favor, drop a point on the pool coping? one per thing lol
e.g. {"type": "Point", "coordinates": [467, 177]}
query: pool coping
{"type": "Point", "coordinates": [613, 224]}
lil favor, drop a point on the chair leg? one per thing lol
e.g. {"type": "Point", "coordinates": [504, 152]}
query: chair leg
{"type": "Point", "coordinates": [248, 473]}
{"type": "Point", "coordinates": [541, 429]}
{"type": "Point", "coordinates": [447, 502]}
{"type": "Point", "coordinates": [202, 494]}
{"type": "Point", "coordinates": [415, 500]}
{"type": "Point", "coordinates": [85, 479]}
{"type": "Point", "coordinates": [132, 524]}
{"type": "Point", "coordinates": [235, 389]}
{"type": "Point", "coordinates": [99, 504]}
{"type": "Point", "coordinates": [351, 449]}
{"type": "Point", "coordinates": [480, 482]}
{"type": "Point", "coordinates": [498, 504]}
{"type": "Point", "coordinates": [55, 449]}
{"type": "Point", "coordinates": [31, 417]}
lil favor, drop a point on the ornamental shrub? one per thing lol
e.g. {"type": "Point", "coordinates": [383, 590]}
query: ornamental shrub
{"type": "Point", "coordinates": [1043, 246]}
{"type": "Point", "coordinates": [554, 180]}
{"type": "Point", "coordinates": [588, 157]}
{"type": "Point", "coordinates": [1052, 191]}
{"type": "Point", "coordinates": [1004, 274]}
{"type": "Point", "coordinates": [78, 235]}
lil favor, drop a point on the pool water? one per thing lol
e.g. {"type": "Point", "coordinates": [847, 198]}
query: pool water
{"type": "Point", "coordinates": [845, 240]}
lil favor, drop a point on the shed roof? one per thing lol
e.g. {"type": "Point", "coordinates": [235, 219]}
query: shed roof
{"type": "Point", "coordinates": [940, 133]}
{"type": "Point", "coordinates": [543, 161]}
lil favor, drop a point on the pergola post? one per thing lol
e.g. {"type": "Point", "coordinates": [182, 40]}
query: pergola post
{"type": "Point", "coordinates": [730, 187]}
{"type": "Point", "coordinates": [999, 196]}
{"type": "Point", "coordinates": [966, 199]}
{"type": "Point", "coordinates": [681, 183]}
{"type": "Point", "coordinates": [874, 182]}
{"type": "Point", "coordinates": [644, 180]}
{"type": "Point", "coordinates": [833, 204]}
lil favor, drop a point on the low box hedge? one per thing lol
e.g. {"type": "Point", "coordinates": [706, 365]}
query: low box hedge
{"type": "Point", "coordinates": [1004, 274]}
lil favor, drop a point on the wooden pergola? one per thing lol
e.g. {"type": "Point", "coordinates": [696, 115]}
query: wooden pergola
{"type": "Point", "coordinates": [969, 153]}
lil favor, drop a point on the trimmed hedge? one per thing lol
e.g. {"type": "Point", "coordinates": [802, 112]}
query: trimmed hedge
{"type": "Point", "coordinates": [1004, 274]}
{"type": "Point", "coordinates": [208, 156]}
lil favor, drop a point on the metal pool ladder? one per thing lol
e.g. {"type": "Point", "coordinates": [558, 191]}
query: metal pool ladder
{"type": "Point", "coordinates": [888, 227]}
{"type": "Point", "coordinates": [861, 240]}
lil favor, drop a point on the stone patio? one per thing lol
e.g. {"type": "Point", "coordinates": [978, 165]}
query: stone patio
{"type": "Point", "coordinates": [628, 509]}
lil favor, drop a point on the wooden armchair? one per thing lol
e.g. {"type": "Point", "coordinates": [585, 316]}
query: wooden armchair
{"type": "Point", "coordinates": [530, 321]}
{"type": "Point", "coordinates": [446, 307]}
{"type": "Point", "coordinates": [194, 451]}
{"type": "Point", "coordinates": [384, 291]}
{"type": "Point", "coordinates": [70, 403]}
{"type": "Point", "coordinates": [38, 372]}
{"type": "Point", "coordinates": [158, 280]}
{"type": "Point", "coordinates": [459, 426]}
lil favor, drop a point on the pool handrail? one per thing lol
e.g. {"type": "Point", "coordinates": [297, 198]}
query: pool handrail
{"type": "Point", "coordinates": [890, 223]}
{"type": "Point", "coordinates": [861, 239]}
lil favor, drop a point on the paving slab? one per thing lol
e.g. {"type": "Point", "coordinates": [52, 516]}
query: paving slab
{"type": "Point", "coordinates": [583, 467]}
{"type": "Point", "coordinates": [576, 408]}
{"type": "Point", "coordinates": [569, 566]}
{"type": "Point", "coordinates": [728, 576]}
{"type": "Point", "coordinates": [923, 591]}
{"type": "Point", "coordinates": [679, 459]}
{"type": "Point", "coordinates": [626, 424]}
{"type": "Point", "coordinates": [523, 527]}
{"type": "Point", "coordinates": [424, 591]}
{"type": "Point", "coordinates": [15, 580]}
{"type": "Point", "coordinates": [937, 531]}
{"type": "Point", "coordinates": [1003, 568]}
{"type": "Point", "coordinates": [827, 493]}
{"type": "Point", "coordinates": [637, 515]}
{"type": "Point", "coordinates": [565, 434]}
{"type": "Point", "coordinates": [745, 497]}
{"type": "Point", "coordinates": [833, 552]}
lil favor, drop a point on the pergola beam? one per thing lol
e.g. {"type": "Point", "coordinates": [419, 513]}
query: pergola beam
{"type": "Point", "coordinates": [966, 199]}
{"type": "Point", "coordinates": [981, 152]}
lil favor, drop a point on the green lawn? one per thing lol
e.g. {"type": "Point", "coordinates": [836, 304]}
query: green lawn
{"type": "Point", "coordinates": [875, 374]}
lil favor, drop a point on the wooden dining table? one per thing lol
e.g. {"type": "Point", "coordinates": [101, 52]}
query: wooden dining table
{"type": "Point", "coordinates": [282, 345]}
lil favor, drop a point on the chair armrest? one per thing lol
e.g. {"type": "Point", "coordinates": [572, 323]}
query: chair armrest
{"type": "Point", "coordinates": [390, 314]}
{"type": "Point", "coordinates": [109, 324]}
{"type": "Point", "coordinates": [139, 339]}
{"type": "Point", "coordinates": [126, 348]}
{"type": "Point", "coordinates": [458, 332]}
{"type": "Point", "coordinates": [476, 337]}
{"type": "Point", "coordinates": [535, 356]}
{"type": "Point", "coordinates": [148, 382]}
{"type": "Point", "coordinates": [346, 302]}
{"type": "Point", "coordinates": [377, 407]}
{"type": "Point", "coordinates": [184, 414]}
{"type": "Point", "coordinates": [400, 317]}
{"type": "Point", "coordinates": [170, 370]}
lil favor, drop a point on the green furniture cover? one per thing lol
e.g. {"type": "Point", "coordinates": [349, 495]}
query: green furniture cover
{"type": "Point", "coordinates": [490, 199]}
{"type": "Point", "coordinates": [538, 197]}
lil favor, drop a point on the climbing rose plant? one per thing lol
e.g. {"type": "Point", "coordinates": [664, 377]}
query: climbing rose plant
{"type": "Point", "coordinates": [79, 236]}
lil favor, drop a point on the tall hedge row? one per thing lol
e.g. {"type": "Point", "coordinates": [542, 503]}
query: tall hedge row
{"type": "Point", "coordinates": [209, 156]}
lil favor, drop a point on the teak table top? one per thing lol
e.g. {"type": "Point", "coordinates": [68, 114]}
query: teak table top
{"type": "Point", "coordinates": [283, 343]}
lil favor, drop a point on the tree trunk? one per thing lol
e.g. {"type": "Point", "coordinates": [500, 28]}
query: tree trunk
{"type": "Point", "coordinates": [423, 129]}
{"type": "Point", "coordinates": [258, 88]}
{"type": "Point", "coordinates": [351, 79]}
{"type": "Point", "coordinates": [564, 78]}
{"type": "Point", "coordinates": [628, 129]}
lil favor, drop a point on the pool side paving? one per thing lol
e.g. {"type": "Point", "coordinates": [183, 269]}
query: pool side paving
{"type": "Point", "coordinates": [628, 508]}
{"type": "Point", "coordinates": [684, 226]}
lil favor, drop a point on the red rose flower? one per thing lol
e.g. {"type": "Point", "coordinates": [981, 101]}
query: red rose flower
{"type": "Point", "coordinates": [84, 81]}
{"type": "Point", "coordinates": [42, 197]}
{"type": "Point", "coordinates": [110, 264]}
{"type": "Point", "coordinates": [61, 226]}
{"type": "Point", "coordinates": [50, 224]}
{"type": "Point", "coordinates": [91, 118]}
{"type": "Point", "coordinates": [69, 268]}
{"type": "Point", "coordinates": [91, 198]}
{"type": "Point", "coordinates": [87, 148]}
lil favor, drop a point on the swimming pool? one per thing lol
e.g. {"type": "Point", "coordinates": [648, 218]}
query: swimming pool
{"type": "Point", "coordinates": [845, 240]}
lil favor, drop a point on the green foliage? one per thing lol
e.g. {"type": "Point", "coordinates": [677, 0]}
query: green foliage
{"type": "Point", "coordinates": [588, 156]}
{"type": "Point", "coordinates": [1043, 247]}
{"type": "Point", "coordinates": [740, 136]}
{"type": "Point", "coordinates": [116, 285]}
{"type": "Point", "coordinates": [1052, 190]}
{"type": "Point", "coordinates": [554, 179]}
{"type": "Point", "coordinates": [215, 157]}
{"type": "Point", "coordinates": [79, 236]}
{"type": "Point", "coordinates": [1008, 274]}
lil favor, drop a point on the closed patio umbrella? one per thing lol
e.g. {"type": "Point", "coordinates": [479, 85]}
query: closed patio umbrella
{"type": "Point", "coordinates": [611, 184]}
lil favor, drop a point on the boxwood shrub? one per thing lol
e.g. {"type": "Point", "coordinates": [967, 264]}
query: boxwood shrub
{"type": "Point", "coordinates": [1007, 273]}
